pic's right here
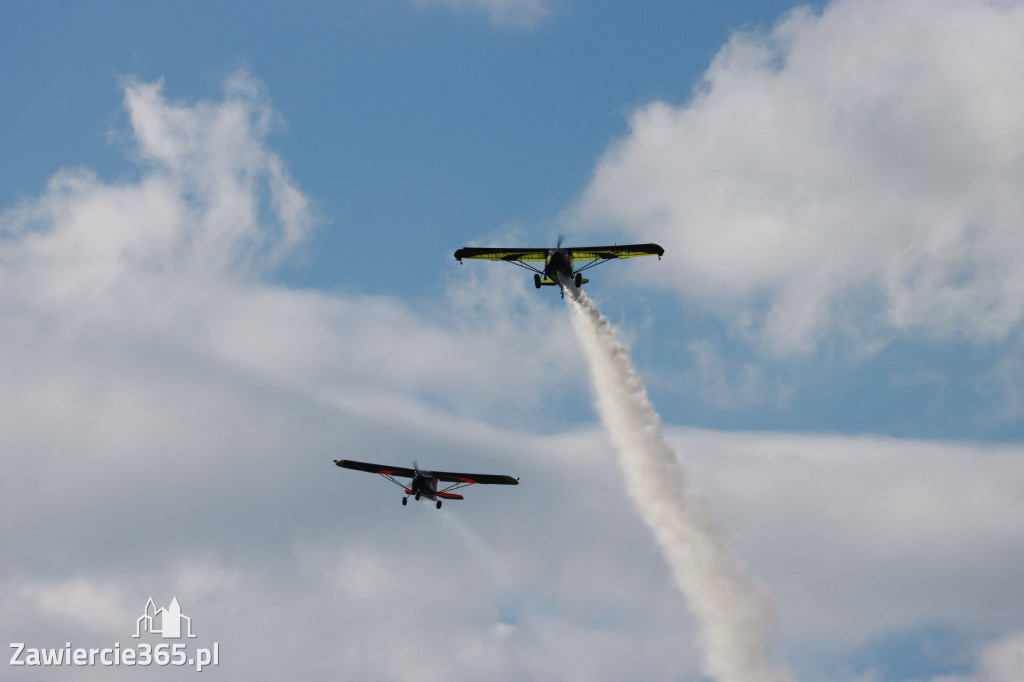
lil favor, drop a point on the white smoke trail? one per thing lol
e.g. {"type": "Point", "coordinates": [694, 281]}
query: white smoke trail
{"type": "Point", "coordinates": [731, 613]}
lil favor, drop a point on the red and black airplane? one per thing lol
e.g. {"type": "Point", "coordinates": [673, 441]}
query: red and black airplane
{"type": "Point", "coordinates": [424, 483]}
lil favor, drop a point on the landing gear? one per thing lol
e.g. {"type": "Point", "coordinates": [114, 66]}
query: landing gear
{"type": "Point", "coordinates": [405, 501]}
{"type": "Point", "coordinates": [579, 279]}
{"type": "Point", "coordinates": [439, 504]}
{"type": "Point", "coordinates": [536, 281]}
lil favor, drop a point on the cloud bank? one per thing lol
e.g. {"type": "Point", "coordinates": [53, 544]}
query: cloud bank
{"type": "Point", "coordinates": [151, 362]}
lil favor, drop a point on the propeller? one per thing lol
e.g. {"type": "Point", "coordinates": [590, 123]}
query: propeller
{"type": "Point", "coordinates": [560, 238]}
{"type": "Point", "coordinates": [415, 465]}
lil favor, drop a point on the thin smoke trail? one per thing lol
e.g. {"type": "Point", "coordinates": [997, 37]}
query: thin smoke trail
{"type": "Point", "coordinates": [731, 614]}
{"type": "Point", "coordinates": [478, 546]}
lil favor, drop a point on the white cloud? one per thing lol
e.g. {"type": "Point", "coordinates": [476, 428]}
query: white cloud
{"type": "Point", "coordinates": [851, 172]}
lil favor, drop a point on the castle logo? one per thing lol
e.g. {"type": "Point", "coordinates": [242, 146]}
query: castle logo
{"type": "Point", "coordinates": [164, 622]}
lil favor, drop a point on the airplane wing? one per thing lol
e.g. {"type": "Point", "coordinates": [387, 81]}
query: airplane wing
{"type": "Point", "coordinates": [501, 254]}
{"type": "Point", "coordinates": [382, 469]}
{"type": "Point", "coordinates": [483, 479]}
{"type": "Point", "coordinates": [576, 252]}
{"type": "Point", "coordinates": [619, 251]}
{"type": "Point", "coordinates": [446, 476]}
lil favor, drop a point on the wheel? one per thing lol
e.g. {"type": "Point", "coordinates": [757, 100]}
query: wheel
{"type": "Point", "coordinates": [579, 279]}
{"type": "Point", "coordinates": [405, 501]}
{"type": "Point", "coordinates": [417, 497]}
{"type": "Point", "coordinates": [439, 504]}
{"type": "Point", "coordinates": [536, 281]}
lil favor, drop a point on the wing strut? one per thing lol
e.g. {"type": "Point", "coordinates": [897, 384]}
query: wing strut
{"type": "Point", "coordinates": [392, 479]}
{"type": "Point", "coordinates": [525, 266]}
{"type": "Point", "coordinates": [457, 485]}
{"type": "Point", "coordinates": [594, 263]}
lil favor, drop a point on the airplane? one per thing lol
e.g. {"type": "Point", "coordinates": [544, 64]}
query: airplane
{"type": "Point", "coordinates": [424, 483]}
{"type": "Point", "coordinates": [558, 262]}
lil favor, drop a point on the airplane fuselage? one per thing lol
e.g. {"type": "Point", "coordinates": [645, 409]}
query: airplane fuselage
{"type": "Point", "coordinates": [559, 267]}
{"type": "Point", "coordinates": [559, 270]}
{"type": "Point", "coordinates": [423, 485]}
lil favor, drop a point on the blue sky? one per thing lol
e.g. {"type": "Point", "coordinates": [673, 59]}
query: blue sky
{"type": "Point", "coordinates": [226, 248]}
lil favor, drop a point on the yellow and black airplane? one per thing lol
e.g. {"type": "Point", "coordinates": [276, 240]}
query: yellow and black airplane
{"type": "Point", "coordinates": [559, 263]}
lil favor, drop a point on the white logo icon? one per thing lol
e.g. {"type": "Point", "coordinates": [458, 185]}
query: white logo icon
{"type": "Point", "coordinates": [163, 622]}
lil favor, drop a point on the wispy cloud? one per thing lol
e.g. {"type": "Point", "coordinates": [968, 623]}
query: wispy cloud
{"type": "Point", "coordinates": [212, 200]}
{"type": "Point", "coordinates": [729, 387]}
{"type": "Point", "coordinates": [998, 661]}
{"type": "Point", "coordinates": [523, 14]}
